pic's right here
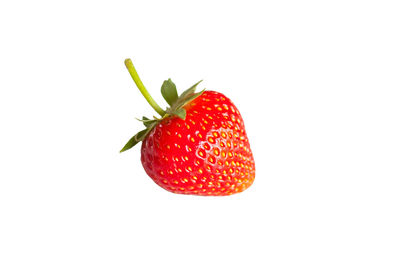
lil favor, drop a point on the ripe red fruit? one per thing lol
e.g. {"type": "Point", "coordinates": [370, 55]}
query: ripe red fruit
{"type": "Point", "coordinates": [198, 147]}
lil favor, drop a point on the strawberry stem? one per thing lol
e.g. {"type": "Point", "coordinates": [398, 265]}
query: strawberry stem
{"type": "Point", "coordinates": [143, 90]}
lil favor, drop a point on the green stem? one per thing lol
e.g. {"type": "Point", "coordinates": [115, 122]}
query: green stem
{"type": "Point", "coordinates": [143, 90]}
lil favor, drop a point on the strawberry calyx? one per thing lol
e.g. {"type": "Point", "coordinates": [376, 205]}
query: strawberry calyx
{"type": "Point", "coordinates": [170, 94]}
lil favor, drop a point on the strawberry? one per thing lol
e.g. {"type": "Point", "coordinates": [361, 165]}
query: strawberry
{"type": "Point", "coordinates": [199, 144]}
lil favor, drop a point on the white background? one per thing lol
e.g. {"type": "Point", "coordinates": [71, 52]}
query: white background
{"type": "Point", "coordinates": [317, 83]}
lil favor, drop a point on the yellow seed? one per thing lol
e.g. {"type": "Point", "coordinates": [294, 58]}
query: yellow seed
{"type": "Point", "coordinates": [192, 139]}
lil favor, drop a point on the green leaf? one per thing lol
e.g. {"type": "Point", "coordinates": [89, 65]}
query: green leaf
{"type": "Point", "coordinates": [168, 91]}
{"type": "Point", "coordinates": [146, 121]}
{"type": "Point", "coordinates": [188, 99]}
{"type": "Point", "coordinates": [181, 113]}
{"type": "Point", "coordinates": [190, 90]}
{"type": "Point", "coordinates": [140, 136]}
{"type": "Point", "coordinates": [134, 140]}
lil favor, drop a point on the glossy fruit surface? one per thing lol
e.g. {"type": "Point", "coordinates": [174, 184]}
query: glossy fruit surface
{"type": "Point", "coordinates": [208, 153]}
{"type": "Point", "coordinates": [199, 144]}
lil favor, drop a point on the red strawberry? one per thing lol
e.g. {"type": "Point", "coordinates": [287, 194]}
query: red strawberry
{"type": "Point", "coordinates": [199, 146]}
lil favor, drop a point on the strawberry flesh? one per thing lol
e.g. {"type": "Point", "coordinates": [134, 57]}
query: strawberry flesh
{"type": "Point", "coordinates": [207, 153]}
